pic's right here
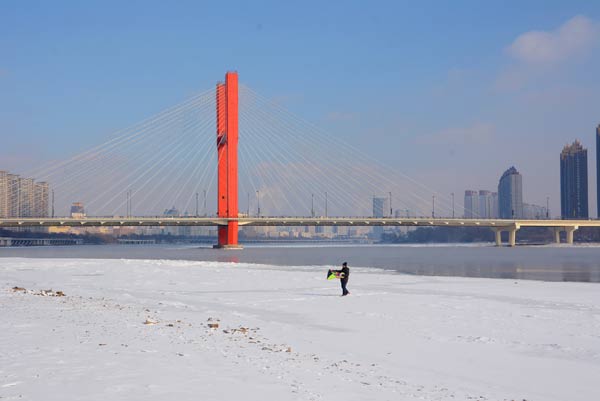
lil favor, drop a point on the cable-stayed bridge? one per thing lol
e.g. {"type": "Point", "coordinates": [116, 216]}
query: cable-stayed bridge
{"type": "Point", "coordinates": [268, 163]}
{"type": "Point", "coordinates": [498, 225]}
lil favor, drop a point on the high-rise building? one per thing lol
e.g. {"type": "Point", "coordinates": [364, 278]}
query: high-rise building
{"type": "Point", "coordinates": [3, 194]}
{"type": "Point", "coordinates": [41, 197]}
{"type": "Point", "coordinates": [22, 197]}
{"type": "Point", "coordinates": [471, 204]}
{"type": "Point", "coordinates": [14, 197]}
{"type": "Point", "coordinates": [27, 194]}
{"type": "Point", "coordinates": [482, 204]}
{"type": "Point", "coordinates": [573, 182]}
{"type": "Point", "coordinates": [485, 204]}
{"type": "Point", "coordinates": [598, 168]}
{"type": "Point", "coordinates": [510, 195]}
{"type": "Point", "coordinates": [379, 206]}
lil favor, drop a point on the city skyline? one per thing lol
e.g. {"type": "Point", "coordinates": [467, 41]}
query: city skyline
{"type": "Point", "coordinates": [477, 204]}
{"type": "Point", "coordinates": [485, 205]}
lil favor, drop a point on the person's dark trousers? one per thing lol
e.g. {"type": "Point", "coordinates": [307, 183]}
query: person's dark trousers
{"type": "Point", "coordinates": [344, 283]}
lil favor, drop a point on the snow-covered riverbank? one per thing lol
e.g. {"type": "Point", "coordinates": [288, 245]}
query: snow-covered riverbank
{"type": "Point", "coordinates": [139, 330]}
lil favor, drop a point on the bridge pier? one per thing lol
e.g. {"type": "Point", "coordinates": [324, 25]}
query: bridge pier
{"type": "Point", "coordinates": [228, 236]}
{"type": "Point", "coordinates": [498, 235]}
{"type": "Point", "coordinates": [570, 231]}
{"type": "Point", "coordinates": [512, 235]}
{"type": "Point", "coordinates": [557, 231]}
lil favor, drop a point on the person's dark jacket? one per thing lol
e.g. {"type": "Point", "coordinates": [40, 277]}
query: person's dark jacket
{"type": "Point", "coordinates": [346, 271]}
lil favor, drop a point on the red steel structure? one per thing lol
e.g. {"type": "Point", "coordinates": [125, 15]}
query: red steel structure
{"type": "Point", "coordinates": [227, 147]}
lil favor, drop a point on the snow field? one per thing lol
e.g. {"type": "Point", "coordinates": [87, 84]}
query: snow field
{"type": "Point", "coordinates": [139, 330]}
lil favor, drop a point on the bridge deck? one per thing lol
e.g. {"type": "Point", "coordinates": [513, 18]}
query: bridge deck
{"type": "Point", "coordinates": [288, 221]}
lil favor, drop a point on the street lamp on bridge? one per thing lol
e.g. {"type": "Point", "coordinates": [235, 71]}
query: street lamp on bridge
{"type": "Point", "coordinates": [128, 207]}
{"type": "Point", "coordinates": [258, 203]}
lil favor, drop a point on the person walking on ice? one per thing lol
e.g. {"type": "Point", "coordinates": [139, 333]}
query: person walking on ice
{"type": "Point", "coordinates": [344, 275]}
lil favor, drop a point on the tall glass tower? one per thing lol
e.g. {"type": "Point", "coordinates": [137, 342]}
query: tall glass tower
{"type": "Point", "coordinates": [573, 182]}
{"type": "Point", "coordinates": [510, 195]}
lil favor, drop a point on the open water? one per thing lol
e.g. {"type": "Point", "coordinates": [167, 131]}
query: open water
{"type": "Point", "coordinates": [549, 263]}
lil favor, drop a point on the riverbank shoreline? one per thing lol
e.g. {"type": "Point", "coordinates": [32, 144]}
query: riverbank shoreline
{"type": "Point", "coordinates": [546, 263]}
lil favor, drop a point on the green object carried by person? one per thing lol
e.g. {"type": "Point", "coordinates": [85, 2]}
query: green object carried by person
{"type": "Point", "coordinates": [333, 274]}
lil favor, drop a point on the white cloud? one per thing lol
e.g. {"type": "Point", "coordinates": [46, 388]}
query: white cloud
{"type": "Point", "coordinates": [573, 38]}
{"type": "Point", "coordinates": [546, 57]}
{"type": "Point", "coordinates": [477, 133]}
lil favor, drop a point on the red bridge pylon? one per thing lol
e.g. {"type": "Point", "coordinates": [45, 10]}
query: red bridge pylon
{"type": "Point", "coordinates": [227, 147]}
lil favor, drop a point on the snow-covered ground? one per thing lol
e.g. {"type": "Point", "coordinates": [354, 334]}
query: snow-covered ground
{"type": "Point", "coordinates": [286, 334]}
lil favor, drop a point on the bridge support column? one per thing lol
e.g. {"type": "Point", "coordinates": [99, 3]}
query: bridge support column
{"type": "Point", "coordinates": [570, 231]}
{"type": "Point", "coordinates": [512, 235]}
{"type": "Point", "coordinates": [557, 231]}
{"type": "Point", "coordinates": [498, 234]}
{"type": "Point", "coordinates": [227, 144]}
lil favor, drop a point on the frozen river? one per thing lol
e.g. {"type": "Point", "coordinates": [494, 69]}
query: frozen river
{"type": "Point", "coordinates": [547, 263]}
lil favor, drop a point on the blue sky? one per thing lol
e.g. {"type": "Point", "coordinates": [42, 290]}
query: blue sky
{"type": "Point", "coordinates": [454, 92]}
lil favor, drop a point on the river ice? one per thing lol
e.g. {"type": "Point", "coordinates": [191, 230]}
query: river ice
{"type": "Point", "coordinates": [139, 330]}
